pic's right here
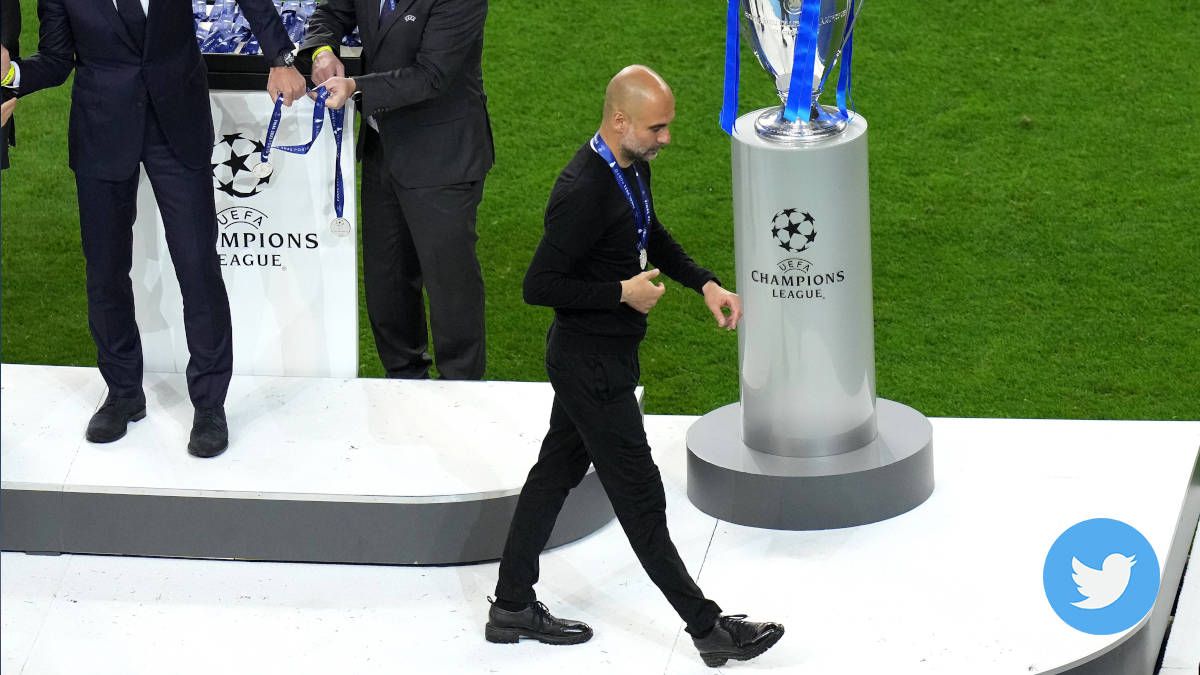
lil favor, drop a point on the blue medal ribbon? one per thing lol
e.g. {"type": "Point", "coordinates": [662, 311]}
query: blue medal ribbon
{"type": "Point", "coordinates": [733, 47]}
{"type": "Point", "coordinates": [273, 127]}
{"type": "Point", "coordinates": [641, 217]}
{"type": "Point", "coordinates": [337, 120]}
{"type": "Point", "coordinates": [800, 89]}
{"type": "Point", "coordinates": [843, 90]}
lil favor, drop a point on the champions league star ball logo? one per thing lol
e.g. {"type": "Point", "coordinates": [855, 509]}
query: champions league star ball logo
{"type": "Point", "coordinates": [794, 230]}
{"type": "Point", "coordinates": [230, 172]}
{"type": "Point", "coordinates": [797, 278]}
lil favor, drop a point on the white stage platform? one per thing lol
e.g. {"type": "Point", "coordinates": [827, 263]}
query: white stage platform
{"type": "Point", "coordinates": [318, 470]}
{"type": "Point", "coordinates": [952, 587]}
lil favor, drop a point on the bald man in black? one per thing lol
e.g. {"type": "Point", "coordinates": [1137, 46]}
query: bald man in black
{"type": "Point", "coordinates": [591, 267]}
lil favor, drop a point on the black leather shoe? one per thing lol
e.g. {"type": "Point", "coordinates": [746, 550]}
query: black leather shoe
{"type": "Point", "coordinates": [535, 621]}
{"type": "Point", "coordinates": [112, 419]}
{"type": "Point", "coordinates": [735, 638]}
{"type": "Point", "coordinates": [210, 433]}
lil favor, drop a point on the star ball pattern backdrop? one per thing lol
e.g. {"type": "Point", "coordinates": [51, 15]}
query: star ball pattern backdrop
{"type": "Point", "coordinates": [232, 175]}
{"type": "Point", "coordinates": [1033, 200]}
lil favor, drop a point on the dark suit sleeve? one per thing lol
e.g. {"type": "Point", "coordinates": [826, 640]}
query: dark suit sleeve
{"type": "Point", "coordinates": [55, 57]}
{"type": "Point", "coordinates": [453, 31]}
{"type": "Point", "coordinates": [332, 21]}
{"type": "Point", "coordinates": [267, 26]}
{"type": "Point", "coordinates": [10, 29]}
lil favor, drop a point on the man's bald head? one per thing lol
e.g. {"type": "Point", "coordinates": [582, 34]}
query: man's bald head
{"type": "Point", "coordinates": [638, 108]}
{"type": "Point", "coordinates": [632, 89]}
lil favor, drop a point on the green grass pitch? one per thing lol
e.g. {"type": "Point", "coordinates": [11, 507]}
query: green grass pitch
{"type": "Point", "coordinates": [1034, 193]}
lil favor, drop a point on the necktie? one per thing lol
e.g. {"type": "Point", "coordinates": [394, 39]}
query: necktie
{"type": "Point", "coordinates": [386, 10]}
{"type": "Point", "coordinates": [131, 13]}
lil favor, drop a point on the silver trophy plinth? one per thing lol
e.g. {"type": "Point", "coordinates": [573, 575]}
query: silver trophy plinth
{"type": "Point", "coordinates": [809, 446]}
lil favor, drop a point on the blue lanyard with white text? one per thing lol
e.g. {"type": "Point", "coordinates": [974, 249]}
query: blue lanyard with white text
{"type": "Point", "coordinates": [337, 120]}
{"type": "Point", "coordinates": [641, 217]}
{"type": "Point", "coordinates": [273, 128]}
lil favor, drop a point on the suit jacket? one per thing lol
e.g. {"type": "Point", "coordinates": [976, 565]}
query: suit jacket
{"type": "Point", "coordinates": [423, 83]}
{"type": "Point", "coordinates": [10, 37]}
{"type": "Point", "coordinates": [118, 82]}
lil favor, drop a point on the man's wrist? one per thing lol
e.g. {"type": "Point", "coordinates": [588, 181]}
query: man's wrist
{"type": "Point", "coordinates": [9, 76]}
{"type": "Point", "coordinates": [323, 49]}
{"type": "Point", "coordinates": [285, 60]}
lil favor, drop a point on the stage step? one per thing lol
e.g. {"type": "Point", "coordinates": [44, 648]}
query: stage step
{"type": "Point", "coordinates": [318, 470]}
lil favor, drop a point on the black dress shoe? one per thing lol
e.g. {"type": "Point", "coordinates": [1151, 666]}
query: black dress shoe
{"type": "Point", "coordinates": [536, 622]}
{"type": "Point", "coordinates": [735, 638]}
{"type": "Point", "coordinates": [210, 433]}
{"type": "Point", "coordinates": [111, 420]}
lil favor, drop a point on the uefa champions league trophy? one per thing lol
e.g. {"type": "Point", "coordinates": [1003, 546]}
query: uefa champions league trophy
{"type": "Point", "coordinates": [809, 446]}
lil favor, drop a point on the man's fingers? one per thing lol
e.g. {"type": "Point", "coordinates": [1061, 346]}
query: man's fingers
{"type": "Point", "coordinates": [735, 315]}
{"type": "Point", "coordinates": [718, 315]}
{"type": "Point", "coordinates": [650, 274]}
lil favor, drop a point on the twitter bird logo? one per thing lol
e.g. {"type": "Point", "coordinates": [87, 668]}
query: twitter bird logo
{"type": "Point", "coordinates": [1101, 576]}
{"type": "Point", "coordinates": [1101, 588]}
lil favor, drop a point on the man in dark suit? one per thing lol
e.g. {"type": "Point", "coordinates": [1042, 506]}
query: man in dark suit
{"type": "Point", "coordinates": [10, 38]}
{"type": "Point", "coordinates": [141, 98]}
{"type": "Point", "coordinates": [426, 148]}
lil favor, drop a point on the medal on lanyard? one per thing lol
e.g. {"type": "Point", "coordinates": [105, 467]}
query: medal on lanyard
{"type": "Point", "coordinates": [264, 168]}
{"type": "Point", "coordinates": [340, 225]}
{"type": "Point", "coordinates": [642, 216]}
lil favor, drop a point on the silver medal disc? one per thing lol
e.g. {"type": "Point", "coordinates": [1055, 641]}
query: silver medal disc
{"type": "Point", "coordinates": [340, 227]}
{"type": "Point", "coordinates": [642, 258]}
{"type": "Point", "coordinates": [262, 170]}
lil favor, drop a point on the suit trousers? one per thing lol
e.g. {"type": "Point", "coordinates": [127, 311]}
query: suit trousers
{"type": "Point", "coordinates": [595, 419]}
{"type": "Point", "coordinates": [414, 238]}
{"type": "Point", "coordinates": [107, 210]}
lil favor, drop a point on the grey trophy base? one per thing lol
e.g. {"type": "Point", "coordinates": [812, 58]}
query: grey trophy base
{"type": "Point", "coordinates": [889, 476]}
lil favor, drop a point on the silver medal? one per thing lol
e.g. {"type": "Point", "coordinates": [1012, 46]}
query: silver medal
{"type": "Point", "coordinates": [262, 170]}
{"type": "Point", "coordinates": [340, 227]}
{"type": "Point", "coordinates": [642, 258]}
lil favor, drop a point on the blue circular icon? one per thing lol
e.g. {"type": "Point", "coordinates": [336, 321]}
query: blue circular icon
{"type": "Point", "coordinates": [1101, 576]}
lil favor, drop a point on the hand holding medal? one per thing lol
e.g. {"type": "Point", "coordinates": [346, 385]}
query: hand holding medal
{"type": "Point", "coordinates": [340, 225]}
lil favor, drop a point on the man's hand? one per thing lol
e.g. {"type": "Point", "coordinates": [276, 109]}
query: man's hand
{"type": "Point", "coordinates": [718, 300]}
{"type": "Point", "coordinates": [6, 110]}
{"type": "Point", "coordinates": [640, 293]}
{"type": "Point", "coordinates": [285, 80]}
{"type": "Point", "coordinates": [325, 66]}
{"type": "Point", "coordinates": [340, 89]}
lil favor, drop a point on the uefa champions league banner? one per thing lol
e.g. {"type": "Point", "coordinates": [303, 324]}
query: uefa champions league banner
{"type": "Point", "coordinates": [287, 255]}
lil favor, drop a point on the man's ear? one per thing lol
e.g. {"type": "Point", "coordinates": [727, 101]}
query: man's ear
{"type": "Point", "coordinates": [620, 122]}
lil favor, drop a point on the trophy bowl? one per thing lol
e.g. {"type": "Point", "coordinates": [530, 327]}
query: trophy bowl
{"type": "Point", "coordinates": [773, 29]}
